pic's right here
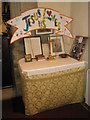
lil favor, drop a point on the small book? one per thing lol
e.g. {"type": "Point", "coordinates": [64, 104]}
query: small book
{"type": "Point", "coordinates": [40, 57]}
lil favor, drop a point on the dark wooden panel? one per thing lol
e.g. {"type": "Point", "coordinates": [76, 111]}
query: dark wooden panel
{"type": "Point", "coordinates": [6, 63]}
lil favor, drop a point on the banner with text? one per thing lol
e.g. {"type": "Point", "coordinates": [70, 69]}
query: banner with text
{"type": "Point", "coordinates": [39, 18]}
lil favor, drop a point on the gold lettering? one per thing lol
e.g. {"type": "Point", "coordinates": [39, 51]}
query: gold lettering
{"type": "Point", "coordinates": [58, 25]}
{"type": "Point", "coordinates": [35, 16]}
{"type": "Point", "coordinates": [44, 14]}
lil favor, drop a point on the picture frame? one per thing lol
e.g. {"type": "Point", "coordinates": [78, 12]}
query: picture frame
{"type": "Point", "coordinates": [28, 58]}
{"type": "Point", "coordinates": [57, 45]}
{"type": "Point", "coordinates": [44, 31]}
{"type": "Point", "coordinates": [78, 47]}
{"type": "Point", "coordinates": [33, 46]}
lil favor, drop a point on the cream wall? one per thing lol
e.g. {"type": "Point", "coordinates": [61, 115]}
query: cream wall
{"type": "Point", "coordinates": [28, 5]}
{"type": "Point", "coordinates": [62, 7]}
{"type": "Point", "coordinates": [79, 13]}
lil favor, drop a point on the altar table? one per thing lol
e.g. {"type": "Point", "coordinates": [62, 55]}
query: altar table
{"type": "Point", "coordinates": [50, 84]}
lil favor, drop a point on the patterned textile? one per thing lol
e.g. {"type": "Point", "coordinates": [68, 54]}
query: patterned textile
{"type": "Point", "coordinates": [48, 91]}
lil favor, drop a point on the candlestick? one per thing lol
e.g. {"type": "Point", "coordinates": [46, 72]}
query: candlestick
{"type": "Point", "coordinates": [50, 57]}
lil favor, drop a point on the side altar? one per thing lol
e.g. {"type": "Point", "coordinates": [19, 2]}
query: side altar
{"type": "Point", "coordinates": [50, 84]}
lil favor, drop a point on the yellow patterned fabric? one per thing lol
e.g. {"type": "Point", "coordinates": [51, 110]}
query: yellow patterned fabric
{"type": "Point", "coordinates": [48, 91]}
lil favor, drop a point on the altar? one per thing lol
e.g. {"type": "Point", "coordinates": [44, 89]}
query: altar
{"type": "Point", "coordinates": [51, 84]}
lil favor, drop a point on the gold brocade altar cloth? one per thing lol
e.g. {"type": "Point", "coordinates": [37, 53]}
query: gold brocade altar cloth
{"type": "Point", "coordinates": [47, 91]}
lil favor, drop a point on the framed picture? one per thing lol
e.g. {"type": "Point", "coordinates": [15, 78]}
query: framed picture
{"type": "Point", "coordinates": [57, 45]}
{"type": "Point", "coordinates": [44, 31]}
{"type": "Point", "coordinates": [33, 46]}
{"type": "Point", "coordinates": [28, 58]}
{"type": "Point", "coordinates": [78, 47]}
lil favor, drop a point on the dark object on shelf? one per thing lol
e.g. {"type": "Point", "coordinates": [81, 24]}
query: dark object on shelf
{"type": "Point", "coordinates": [63, 55]}
{"type": "Point", "coordinates": [39, 57]}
